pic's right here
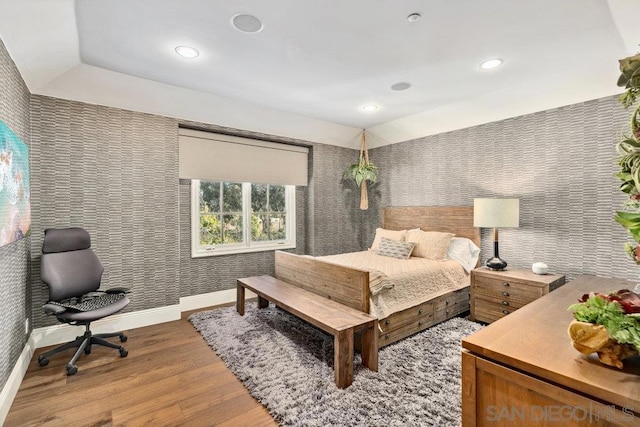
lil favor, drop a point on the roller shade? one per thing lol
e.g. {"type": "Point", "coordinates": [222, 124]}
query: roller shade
{"type": "Point", "coordinates": [215, 157]}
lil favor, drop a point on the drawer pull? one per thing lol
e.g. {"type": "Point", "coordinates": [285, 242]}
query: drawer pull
{"type": "Point", "coordinates": [447, 312]}
{"type": "Point", "coordinates": [386, 322]}
{"type": "Point", "coordinates": [505, 302]}
{"type": "Point", "coordinates": [505, 311]}
{"type": "Point", "coordinates": [447, 302]}
{"type": "Point", "coordinates": [505, 294]}
{"type": "Point", "coordinates": [420, 311]}
{"type": "Point", "coordinates": [505, 283]}
{"type": "Point", "coordinates": [386, 336]}
{"type": "Point", "coordinates": [420, 323]}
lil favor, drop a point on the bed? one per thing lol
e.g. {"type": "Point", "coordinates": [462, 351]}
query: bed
{"type": "Point", "coordinates": [357, 287]}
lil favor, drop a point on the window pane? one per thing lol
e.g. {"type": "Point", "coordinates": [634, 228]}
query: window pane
{"type": "Point", "coordinates": [277, 227]}
{"type": "Point", "coordinates": [231, 197]}
{"type": "Point", "coordinates": [259, 197]}
{"type": "Point", "coordinates": [210, 230]}
{"type": "Point", "coordinates": [232, 229]}
{"type": "Point", "coordinates": [221, 217]}
{"type": "Point", "coordinates": [259, 227]}
{"type": "Point", "coordinates": [209, 196]}
{"type": "Point", "coordinates": [276, 198]}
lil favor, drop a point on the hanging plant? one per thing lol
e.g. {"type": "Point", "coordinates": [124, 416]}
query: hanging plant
{"type": "Point", "coordinates": [629, 154]}
{"type": "Point", "coordinates": [362, 172]}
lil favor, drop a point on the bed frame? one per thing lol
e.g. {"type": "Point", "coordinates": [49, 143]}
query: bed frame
{"type": "Point", "coordinates": [350, 286]}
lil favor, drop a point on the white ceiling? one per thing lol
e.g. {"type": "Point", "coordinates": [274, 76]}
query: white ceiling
{"type": "Point", "coordinates": [316, 63]}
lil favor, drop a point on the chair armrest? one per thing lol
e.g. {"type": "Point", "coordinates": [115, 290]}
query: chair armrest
{"type": "Point", "coordinates": [53, 309]}
{"type": "Point", "coordinates": [118, 291]}
{"type": "Point", "coordinates": [91, 295]}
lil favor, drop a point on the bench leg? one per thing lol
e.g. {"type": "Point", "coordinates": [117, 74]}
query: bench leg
{"type": "Point", "coordinates": [370, 346]}
{"type": "Point", "coordinates": [262, 302]}
{"type": "Point", "coordinates": [343, 357]}
{"type": "Point", "coordinates": [240, 300]}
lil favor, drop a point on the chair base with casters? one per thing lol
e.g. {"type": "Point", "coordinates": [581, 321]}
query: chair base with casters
{"type": "Point", "coordinates": [84, 343]}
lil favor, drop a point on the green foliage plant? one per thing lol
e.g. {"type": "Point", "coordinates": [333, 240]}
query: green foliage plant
{"type": "Point", "coordinates": [629, 155]}
{"type": "Point", "coordinates": [364, 170]}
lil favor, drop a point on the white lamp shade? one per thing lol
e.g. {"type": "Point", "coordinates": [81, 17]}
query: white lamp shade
{"type": "Point", "coordinates": [496, 213]}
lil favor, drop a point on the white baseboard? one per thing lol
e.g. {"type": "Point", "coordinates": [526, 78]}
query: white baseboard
{"type": "Point", "coordinates": [12, 385]}
{"type": "Point", "coordinates": [57, 334]}
{"type": "Point", "coordinates": [195, 302]}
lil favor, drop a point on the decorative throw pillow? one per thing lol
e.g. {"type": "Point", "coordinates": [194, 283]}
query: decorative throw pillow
{"type": "Point", "coordinates": [389, 234]}
{"type": "Point", "coordinates": [430, 244]}
{"type": "Point", "coordinates": [395, 248]}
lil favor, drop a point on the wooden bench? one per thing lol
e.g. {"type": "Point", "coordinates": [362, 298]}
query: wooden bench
{"type": "Point", "coordinates": [332, 317]}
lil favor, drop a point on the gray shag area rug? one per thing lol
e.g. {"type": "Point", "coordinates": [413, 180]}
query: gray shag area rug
{"type": "Point", "coordinates": [287, 365]}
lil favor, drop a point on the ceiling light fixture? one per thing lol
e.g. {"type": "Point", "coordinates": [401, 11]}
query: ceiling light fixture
{"type": "Point", "coordinates": [187, 52]}
{"type": "Point", "coordinates": [492, 63]}
{"type": "Point", "coordinates": [246, 23]}
{"type": "Point", "coordinates": [401, 86]}
{"type": "Point", "coordinates": [369, 108]}
{"type": "Point", "coordinates": [414, 17]}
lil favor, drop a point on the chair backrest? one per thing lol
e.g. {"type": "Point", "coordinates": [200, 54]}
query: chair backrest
{"type": "Point", "coordinates": [69, 266]}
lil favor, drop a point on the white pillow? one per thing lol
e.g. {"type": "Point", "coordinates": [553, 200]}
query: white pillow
{"type": "Point", "coordinates": [389, 234]}
{"type": "Point", "coordinates": [465, 252]}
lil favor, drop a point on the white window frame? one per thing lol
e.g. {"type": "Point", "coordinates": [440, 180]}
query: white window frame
{"type": "Point", "coordinates": [247, 245]}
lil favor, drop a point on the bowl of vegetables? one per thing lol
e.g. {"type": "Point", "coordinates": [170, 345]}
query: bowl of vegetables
{"type": "Point", "coordinates": [608, 325]}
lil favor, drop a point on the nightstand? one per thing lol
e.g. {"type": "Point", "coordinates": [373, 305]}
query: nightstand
{"type": "Point", "coordinates": [494, 294]}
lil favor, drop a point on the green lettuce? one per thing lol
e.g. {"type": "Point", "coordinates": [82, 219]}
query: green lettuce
{"type": "Point", "coordinates": [623, 328]}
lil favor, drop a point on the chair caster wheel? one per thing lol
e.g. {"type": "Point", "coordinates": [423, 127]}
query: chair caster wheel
{"type": "Point", "coordinates": [87, 351]}
{"type": "Point", "coordinates": [123, 352]}
{"type": "Point", "coordinates": [123, 338]}
{"type": "Point", "coordinates": [72, 370]}
{"type": "Point", "coordinates": [43, 361]}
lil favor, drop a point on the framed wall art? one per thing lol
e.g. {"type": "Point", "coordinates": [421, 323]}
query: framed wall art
{"type": "Point", "coordinates": [15, 203]}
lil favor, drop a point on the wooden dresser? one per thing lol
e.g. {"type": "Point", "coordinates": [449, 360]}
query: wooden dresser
{"type": "Point", "coordinates": [494, 294]}
{"type": "Point", "coordinates": [523, 371]}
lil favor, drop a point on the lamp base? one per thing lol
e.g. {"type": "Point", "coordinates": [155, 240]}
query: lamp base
{"type": "Point", "coordinates": [496, 263]}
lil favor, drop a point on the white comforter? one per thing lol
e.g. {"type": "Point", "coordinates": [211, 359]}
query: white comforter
{"type": "Point", "coordinates": [397, 284]}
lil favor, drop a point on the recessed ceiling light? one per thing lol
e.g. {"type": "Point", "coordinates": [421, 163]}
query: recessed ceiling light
{"type": "Point", "coordinates": [492, 63]}
{"type": "Point", "coordinates": [246, 23]}
{"type": "Point", "coordinates": [401, 86]}
{"type": "Point", "coordinates": [187, 51]}
{"type": "Point", "coordinates": [414, 17]}
{"type": "Point", "coordinates": [369, 108]}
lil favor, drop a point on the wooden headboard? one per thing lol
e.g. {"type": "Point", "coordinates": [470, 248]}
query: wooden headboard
{"type": "Point", "coordinates": [452, 219]}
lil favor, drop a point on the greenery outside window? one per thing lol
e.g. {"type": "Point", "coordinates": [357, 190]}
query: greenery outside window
{"type": "Point", "coordinates": [236, 217]}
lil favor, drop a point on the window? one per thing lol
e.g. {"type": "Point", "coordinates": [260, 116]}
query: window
{"type": "Point", "coordinates": [236, 217]}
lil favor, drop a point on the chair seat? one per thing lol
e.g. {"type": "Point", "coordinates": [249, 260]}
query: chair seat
{"type": "Point", "coordinates": [96, 314]}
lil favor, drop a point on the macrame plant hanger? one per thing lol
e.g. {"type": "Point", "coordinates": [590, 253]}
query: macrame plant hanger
{"type": "Point", "coordinates": [364, 158]}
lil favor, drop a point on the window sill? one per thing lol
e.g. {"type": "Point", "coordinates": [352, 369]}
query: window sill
{"type": "Point", "coordinates": [242, 250]}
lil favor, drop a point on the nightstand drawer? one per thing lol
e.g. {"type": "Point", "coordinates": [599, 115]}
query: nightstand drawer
{"type": "Point", "coordinates": [515, 293]}
{"type": "Point", "coordinates": [486, 311]}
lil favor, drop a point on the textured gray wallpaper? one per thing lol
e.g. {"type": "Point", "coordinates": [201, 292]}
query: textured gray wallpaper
{"type": "Point", "coordinates": [15, 296]}
{"type": "Point", "coordinates": [115, 173]}
{"type": "Point", "coordinates": [559, 162]}
{"type": "Point", "coordinates": [334, 203]}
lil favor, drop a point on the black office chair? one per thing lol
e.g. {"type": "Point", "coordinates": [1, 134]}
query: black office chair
{"type": "Point", "coordinates": [72, 271]}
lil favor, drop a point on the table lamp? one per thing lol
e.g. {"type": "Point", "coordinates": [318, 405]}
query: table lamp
{"type": "Point", "coordinates": [496, 213]}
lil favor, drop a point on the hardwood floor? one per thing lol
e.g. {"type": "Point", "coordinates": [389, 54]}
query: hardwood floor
{"type": "Point", "coordinates": [170, 377]}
